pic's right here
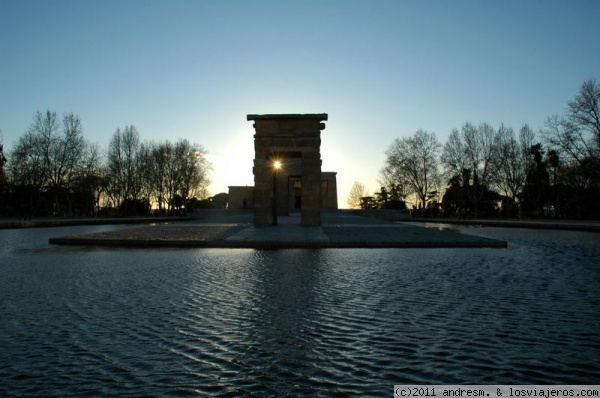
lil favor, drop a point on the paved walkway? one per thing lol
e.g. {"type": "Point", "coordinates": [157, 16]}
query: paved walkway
{"type": "Point", "coordinates": [338, 230]}
{"type": "Point", "coordinates": [570, 225]}
{"type": "Point", "coordinates": [51, 222]}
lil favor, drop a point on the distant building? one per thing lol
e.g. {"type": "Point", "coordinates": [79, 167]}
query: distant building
{"type": "Point", "coordinates": [241, 197]}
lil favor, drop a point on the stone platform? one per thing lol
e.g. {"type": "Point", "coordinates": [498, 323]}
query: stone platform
{"type": "Point", "coordinates": [337, 231]}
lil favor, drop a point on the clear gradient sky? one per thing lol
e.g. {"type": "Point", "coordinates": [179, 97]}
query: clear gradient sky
{"type": "Point", "coordinates": [381, 70]}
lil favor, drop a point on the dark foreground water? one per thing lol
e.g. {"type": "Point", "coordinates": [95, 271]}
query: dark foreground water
{"type": "Point", "coordinates": [87, 321]}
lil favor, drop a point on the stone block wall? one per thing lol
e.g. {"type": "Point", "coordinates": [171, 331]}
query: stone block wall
{"type": "Point", "coordinates": [238, 195]}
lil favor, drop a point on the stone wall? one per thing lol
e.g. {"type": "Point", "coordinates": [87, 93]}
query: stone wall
{"type": "Point", "coordinates": [329, 193]}
{"type": "Point", "coordinates": [241, 197]}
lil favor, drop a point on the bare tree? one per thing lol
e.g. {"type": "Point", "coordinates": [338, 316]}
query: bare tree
{"type": "Point", "coordinates": [69, 156]}
{"type": "Point", "coordinates": [114, 169]}
{"type": "Point", "coordinates": [470, 153]}
{"type": "Point", "coordinates": [131, 146]}
{"type": "Point", "coordinates": [23, 168]}
{"type": "Point", "coordinates": [569, 139]}
{"type": "Point", "coordinates": [160, 156]}
{"type": "Point", "coordinates": [3, 161]}
{"type": "Point", "coordinates": [123, 170]}
{"type": "Point", "coordinates": [50, 156]}
{"type": "Point", "coordinates": [173, 173]}
{"type": "Point", "coordinates": [584, 111]}
{"type": "Point", "coordinates": [93, 177]}
{"type": "Point", "coordinates": [3, 178]}
{"type": "Point", "coordinates": [147, 171]}
{"type": "Point", "coordinates": [576, 137]}
{"type": "Point", "coordinates": [512, 162]}
{"type": "Point", "coordinates": [194, 170]}
{"type": "Point", "coordinates": [44, 147]}
{"type": "Point", "coordinates": [357, 192]}
{"type": "Point", "coordinates": [415, 160]}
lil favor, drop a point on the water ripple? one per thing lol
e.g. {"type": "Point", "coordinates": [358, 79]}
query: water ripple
{"type": "Point", "coordinates": [299, 322]}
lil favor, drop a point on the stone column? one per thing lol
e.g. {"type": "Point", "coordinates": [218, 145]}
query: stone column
{"type": "Point", "coordinates": [263, 193]}
{"type": "Point", "coordinates": [311, 189]}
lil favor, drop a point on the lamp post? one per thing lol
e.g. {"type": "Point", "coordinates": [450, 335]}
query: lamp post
{"type": "Point", "coordinates": [276, 167]}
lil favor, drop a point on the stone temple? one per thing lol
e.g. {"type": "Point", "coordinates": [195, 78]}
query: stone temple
{"type": "Point", "coordinates": [287, 170]}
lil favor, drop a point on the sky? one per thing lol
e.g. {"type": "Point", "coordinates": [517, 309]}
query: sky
{"type": "Point", "coordinates": [380, 69]}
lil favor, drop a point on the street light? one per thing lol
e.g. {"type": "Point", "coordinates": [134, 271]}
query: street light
{"type": "Point", "coordinates": [276, 167]}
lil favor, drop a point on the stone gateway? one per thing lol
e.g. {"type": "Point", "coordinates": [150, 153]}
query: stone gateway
{"type": "Point", "coordinates": [287, 159]}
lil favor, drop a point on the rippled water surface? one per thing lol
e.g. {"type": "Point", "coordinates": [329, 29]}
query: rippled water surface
{"type": "Point", "coordinates": [296, 322]}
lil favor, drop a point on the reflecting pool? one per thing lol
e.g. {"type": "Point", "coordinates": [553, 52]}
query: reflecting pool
{"type": "Point", "coordinates": [238, 322]}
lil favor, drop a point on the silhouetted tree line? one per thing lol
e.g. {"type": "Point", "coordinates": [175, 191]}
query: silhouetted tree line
{"type": "Point", "coordinates": [53, 170]}
{"type": "Point", "coordinates": [488, 172]}
{"type": "Point", "coordinates": [383, 199]}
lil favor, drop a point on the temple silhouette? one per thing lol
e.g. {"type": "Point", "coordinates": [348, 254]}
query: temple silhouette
{"type": "Point", "coordinates": [287, 170]}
